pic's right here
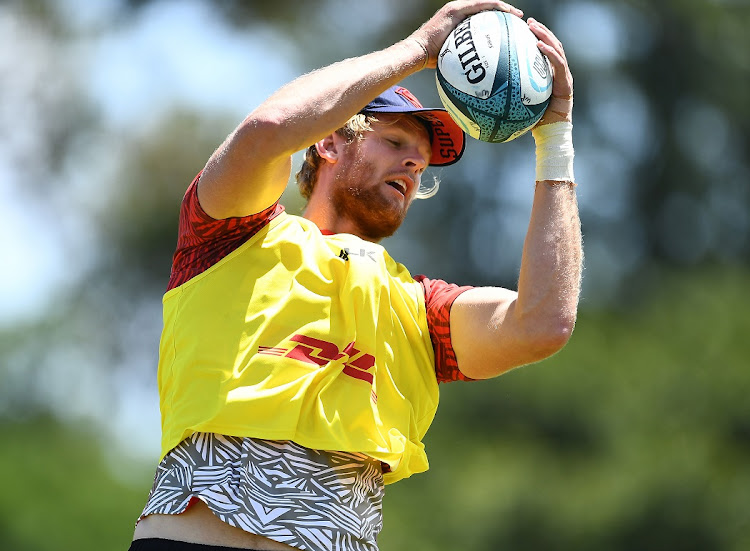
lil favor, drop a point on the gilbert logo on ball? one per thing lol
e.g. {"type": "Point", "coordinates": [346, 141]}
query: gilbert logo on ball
{"type": "Point", "coordinates": [492, 78]}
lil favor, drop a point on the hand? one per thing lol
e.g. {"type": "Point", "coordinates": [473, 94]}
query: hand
{"type": "Point", "coordinates": [434, 32]}
{"type": "Point", "coordinates": [561, 105]}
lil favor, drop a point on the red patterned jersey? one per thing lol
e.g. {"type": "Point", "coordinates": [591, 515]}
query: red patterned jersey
{"type": "Point", "coordinates": [203, 241]}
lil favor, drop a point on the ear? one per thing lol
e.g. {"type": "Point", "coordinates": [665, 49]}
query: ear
{"type": "Point", "coordinates": [329, 148]}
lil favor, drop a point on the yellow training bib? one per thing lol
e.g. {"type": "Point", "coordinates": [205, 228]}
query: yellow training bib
{"type": "Point", "coordinates": [322, 340]}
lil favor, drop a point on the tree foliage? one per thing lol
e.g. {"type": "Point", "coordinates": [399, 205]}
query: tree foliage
{"type": "Point", "coordinates": [60, 492]}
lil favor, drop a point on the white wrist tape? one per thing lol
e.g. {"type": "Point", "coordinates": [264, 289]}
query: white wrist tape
{"type": "Point", "coordinates": [554, 151]}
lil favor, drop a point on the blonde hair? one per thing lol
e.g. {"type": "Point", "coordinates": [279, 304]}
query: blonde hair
{"type": "Point", "coordinates": [354, 129]}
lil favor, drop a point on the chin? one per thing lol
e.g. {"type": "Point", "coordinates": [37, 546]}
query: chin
{"type": "Point", "coordinates": [382, 228]}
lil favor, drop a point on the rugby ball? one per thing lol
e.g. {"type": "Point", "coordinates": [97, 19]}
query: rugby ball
{"type": "Point", "coordinates": [492, 78]}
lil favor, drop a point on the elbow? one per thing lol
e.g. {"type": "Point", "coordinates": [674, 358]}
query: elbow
{"type": "Point", "coordinates": [549, 338]}
{"type": "Point", "coordinates": [543, 336]}
{"type": "Point", "coordinates": [261, 122]}
{"type": "Point", "coordinates": [537, 342]}
{"type": "Point", "coordinates": [515, 341]}
{"type": "Point", "coordinates": [265, 127]}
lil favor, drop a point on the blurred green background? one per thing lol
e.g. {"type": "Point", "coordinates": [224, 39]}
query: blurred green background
{"type": "Point", "coordinates": [635, 436]}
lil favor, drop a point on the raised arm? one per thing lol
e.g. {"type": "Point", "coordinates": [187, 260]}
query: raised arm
{"type": "Point", "coordinates": [250, 170]}
{"type": "Point", "coordinates": [493, 329]}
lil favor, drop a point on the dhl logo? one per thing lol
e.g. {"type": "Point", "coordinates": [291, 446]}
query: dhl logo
{"type": "Point", "coordinates": [319, 352]}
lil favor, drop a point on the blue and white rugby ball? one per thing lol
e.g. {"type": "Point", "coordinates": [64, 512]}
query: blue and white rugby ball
{"type": "Point", "coordinates": [492, 78]}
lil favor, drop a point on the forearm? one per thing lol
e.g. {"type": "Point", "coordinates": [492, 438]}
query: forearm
{"type": "Point", "coordinates": [550, 277]}
{"type": "Point", "coordinates": [317, 103]}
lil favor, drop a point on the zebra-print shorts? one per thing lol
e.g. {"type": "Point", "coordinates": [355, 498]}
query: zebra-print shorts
{"type": "Point", "coordinates": [309, 499]}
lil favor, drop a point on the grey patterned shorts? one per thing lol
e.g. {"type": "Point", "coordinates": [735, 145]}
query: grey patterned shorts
{"type": "Point", "coordinates": [310, 499]}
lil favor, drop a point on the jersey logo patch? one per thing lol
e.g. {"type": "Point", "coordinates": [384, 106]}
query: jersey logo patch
{"type": "Point", "coordinates": [346, 252]}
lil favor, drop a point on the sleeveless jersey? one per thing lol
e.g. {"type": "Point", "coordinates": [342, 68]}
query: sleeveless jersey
{"type": "Point", "coordinates": [295, 335]}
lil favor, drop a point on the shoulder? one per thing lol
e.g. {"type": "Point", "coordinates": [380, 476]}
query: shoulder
{"type": "Point", "coordinates": [202, 241]}
{"type": "Point", "coordinates": [439, 294]}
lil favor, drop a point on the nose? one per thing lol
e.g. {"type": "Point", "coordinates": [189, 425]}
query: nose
{"type": "Point", "coordinates": [416, 159]}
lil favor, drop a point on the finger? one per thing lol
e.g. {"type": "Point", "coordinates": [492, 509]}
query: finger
{"type": "Point", "coordinates": [555, 56]}
{"type": "Point", "coordinates": [548, 43]}
{"type": "Point", "coordinates": [551, 47]}
{"type": "Point", "coordinates": [466, 8]}
{"type": "Point", "coordinates": [544, 34]}
{"type": "Point", "coordinates": [562, 83]}
{"type": "Point", "coordinates": [504, 6]}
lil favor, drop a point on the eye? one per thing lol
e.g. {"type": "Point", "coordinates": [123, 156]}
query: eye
{"type": "Point", "coordinates": [393, 142]}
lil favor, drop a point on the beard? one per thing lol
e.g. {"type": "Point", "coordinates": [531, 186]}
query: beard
{"type": "Point", "coordinates": [360, 196]}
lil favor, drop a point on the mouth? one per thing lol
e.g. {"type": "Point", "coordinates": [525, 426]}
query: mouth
{"type": "Point", "coordinates": [400, 184]}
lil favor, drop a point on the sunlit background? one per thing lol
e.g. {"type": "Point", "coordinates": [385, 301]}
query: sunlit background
{"type": "Point", "coordinates": [635, 436]}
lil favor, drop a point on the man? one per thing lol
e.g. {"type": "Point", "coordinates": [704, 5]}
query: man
{"type": "Point", "coordinates": [299, 363]}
